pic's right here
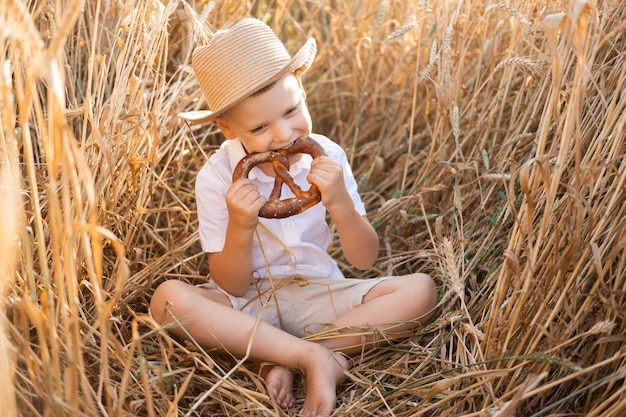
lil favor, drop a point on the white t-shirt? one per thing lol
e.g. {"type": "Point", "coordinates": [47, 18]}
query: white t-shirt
{"type": "Point", "coordinates": [306, 235]}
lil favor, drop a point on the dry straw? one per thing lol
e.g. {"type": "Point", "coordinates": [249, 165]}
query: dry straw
{"type": "Point", "coordinates": [488, 142]}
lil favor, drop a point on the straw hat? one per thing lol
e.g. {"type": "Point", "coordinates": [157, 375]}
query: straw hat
{"type": "Point", "coordinates": [239, 61]}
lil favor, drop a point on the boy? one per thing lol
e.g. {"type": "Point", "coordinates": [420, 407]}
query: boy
{"type": "Point", "coordinates": [273, 281]}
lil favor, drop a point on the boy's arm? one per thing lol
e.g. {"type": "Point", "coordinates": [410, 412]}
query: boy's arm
{"type": "Point", "coordinates": [232, 267]}
{"type": "Point", "coordinates": [358, 239]}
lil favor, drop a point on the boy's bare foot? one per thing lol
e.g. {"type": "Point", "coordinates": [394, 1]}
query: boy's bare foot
{"type": "Point", "coordinates": [279, 382]}
{"type": "Point", "coordinates": [322, 378]}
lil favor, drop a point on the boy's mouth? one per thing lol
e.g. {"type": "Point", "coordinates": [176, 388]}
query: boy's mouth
{"type": "Point", "coordinates": [286, 146]}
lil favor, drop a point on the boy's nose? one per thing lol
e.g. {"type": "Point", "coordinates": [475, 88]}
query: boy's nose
{"type": "Point", "coordinates": [282, 132]}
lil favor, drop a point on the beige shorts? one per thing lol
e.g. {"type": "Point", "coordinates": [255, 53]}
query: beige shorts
{"type": "Point", "coordinates": [298, 305]}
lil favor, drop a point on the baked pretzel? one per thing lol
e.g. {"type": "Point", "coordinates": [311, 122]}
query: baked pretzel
{"type": "Point", "coordinates": [274, 207]}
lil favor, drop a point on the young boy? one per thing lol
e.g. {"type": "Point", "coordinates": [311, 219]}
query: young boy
{"type": "Point", "coordinates": [272, 280]}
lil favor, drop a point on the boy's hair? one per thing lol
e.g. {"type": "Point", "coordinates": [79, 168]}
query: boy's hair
{"type": "Point", "coordinates": [263, 89]}
{"type": "Point", "coordinates": [242, 61]}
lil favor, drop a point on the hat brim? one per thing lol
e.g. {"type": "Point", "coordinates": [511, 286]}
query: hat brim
{"type": "Point", "coordinates": [301, 60]}
{"type": "Point", "coordinates": [197, 116]}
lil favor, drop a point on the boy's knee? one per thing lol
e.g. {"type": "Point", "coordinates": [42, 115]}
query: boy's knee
{"type": "Point", "coordinates": [165, 293]}
{"type": "Point", "coordinates": [429, 294]}
{"type": "Point", "coordinates": [422, 287]}
{"type": "Point", "coordinates": [419, 291]}
{"type": "Point", "coordinates": [427, 286]}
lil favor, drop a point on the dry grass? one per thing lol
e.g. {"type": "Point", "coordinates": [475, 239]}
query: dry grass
{"type": "Point", "coordinates": [488, 140]}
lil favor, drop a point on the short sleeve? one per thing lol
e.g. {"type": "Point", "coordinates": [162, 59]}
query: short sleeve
{"type": "Point", "coordinates": [211, 187]}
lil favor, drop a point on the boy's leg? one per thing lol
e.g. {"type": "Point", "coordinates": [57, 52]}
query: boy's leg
{"type": "Point", "coordinates": [392, 307]}
{"type": "Point", "coordinates": [209, 319]}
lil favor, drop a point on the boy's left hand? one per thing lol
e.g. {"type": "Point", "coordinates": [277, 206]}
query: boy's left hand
{"type": "Point", "coordinates": [327, 175]}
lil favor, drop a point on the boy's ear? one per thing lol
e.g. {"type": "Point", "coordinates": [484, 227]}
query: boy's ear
{"type": "Point", "coordinates": [224, 127]}
{"type": "Point", "coordinates": [298, 74]}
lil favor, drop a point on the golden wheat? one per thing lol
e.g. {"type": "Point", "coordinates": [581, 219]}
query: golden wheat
{"type": "Point", "coordinates": [488, 142]}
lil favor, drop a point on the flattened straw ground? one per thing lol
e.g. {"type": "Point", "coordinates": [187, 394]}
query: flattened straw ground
{"type": "Point", "coordinates": [488, 140]}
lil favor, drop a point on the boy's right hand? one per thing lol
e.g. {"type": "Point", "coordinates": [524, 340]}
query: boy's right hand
{"type": "Point", "coordinates": [244, 201]}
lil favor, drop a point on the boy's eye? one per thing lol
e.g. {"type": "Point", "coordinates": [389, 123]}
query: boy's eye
{"type": "Point", "coordinates": [257, 129]}
{"type": "Point", "coordinates": [291, 111]}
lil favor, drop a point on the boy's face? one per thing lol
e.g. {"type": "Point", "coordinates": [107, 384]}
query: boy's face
{"type": "Point", "coordinates": [270, 120]}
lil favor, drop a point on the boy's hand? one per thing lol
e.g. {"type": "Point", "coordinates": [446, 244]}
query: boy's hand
{"type": "Point", "coordinates": [244, 201]}
{"type": "Point", "coordinates": [327, 175]}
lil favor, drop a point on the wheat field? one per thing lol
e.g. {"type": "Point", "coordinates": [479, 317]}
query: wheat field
{"type": "Point", "coordinates": [488, 140]}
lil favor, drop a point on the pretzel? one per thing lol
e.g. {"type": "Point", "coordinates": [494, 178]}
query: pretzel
{"type": "Point", "coordinates": [274, 207]}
